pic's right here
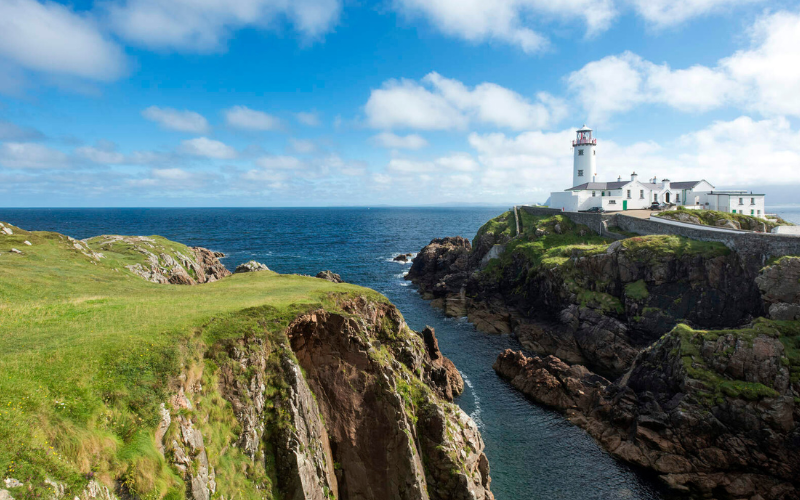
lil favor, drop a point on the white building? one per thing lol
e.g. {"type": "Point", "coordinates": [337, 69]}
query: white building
{"type": "Point", "coordinates": [634, 194]}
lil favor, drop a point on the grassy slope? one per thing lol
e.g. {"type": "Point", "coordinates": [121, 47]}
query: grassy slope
{"type": "Point", "coordinates": [711, 217]}
{"type": "Point", "coordinates": [87, 352]}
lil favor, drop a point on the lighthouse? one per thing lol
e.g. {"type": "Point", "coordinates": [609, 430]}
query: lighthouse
{"type": "Point", "coordinates": [584, 167]}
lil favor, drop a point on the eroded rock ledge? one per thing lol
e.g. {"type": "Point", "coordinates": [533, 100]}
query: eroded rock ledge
{"type": "Point", "coordinates": [714, 413]}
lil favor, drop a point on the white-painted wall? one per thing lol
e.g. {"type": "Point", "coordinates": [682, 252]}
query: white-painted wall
{"type": "Point", "coordinates": [585, 163]}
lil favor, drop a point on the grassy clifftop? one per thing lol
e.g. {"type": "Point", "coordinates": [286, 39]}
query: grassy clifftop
{"type": "Point", "coordinates": [88, 352]}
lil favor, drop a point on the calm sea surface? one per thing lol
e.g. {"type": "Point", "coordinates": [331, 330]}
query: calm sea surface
{"type": "Point", "coordinates": [534, 453]}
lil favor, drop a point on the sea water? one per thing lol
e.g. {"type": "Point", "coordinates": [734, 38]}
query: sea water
{"type": "Point", "coordinates": [534, 452]}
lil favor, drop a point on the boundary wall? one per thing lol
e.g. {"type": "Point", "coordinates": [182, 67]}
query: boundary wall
{"type": "Point", "coordinates": [766, 245]}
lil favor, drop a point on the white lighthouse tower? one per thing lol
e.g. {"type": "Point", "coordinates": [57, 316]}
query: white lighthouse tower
{"type": "Point", "coordinates": [584, 167]}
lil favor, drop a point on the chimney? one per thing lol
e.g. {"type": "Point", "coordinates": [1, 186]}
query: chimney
{"type": "Point", "coordinates": [666, 183]}
{"type": "Point", "coordinates": [634, 176]}
{"type": "Point", "coordinates": [619, 178]}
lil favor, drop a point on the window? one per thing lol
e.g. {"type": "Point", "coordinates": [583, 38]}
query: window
{"type": "Point", "coordinates": [655, 196]}
{"type": "Point", "coordinates": [580, 173]}
{"type": "Point", "coordinates": [594, 193]}
{"type": "Point", "coordinates": [580, 152]}
{"type": "Point", "coordinates": [641, 194]}
{"type": "Point", "coordinates": [602, 193]}
{"type": "Point", "coordinates": [752, 212]}
{"type": "Point", "coordinates": [612, 202]}
{"type": "Point", "coordinates": [629, 194]}
{"type": "Point", "coordinates": [758, 212]}
{"type": "Point", "coordinates": [678, 198]}
{"type": "Point", "coordinates": [594, 152]}
{"type": "Point", "coordinates": [741, 202]}
{"type": "Point", "coordinates": [752, 201]}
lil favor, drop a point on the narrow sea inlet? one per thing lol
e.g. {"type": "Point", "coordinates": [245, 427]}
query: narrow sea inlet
{"type": "Point", "coordinates": [533, 452]}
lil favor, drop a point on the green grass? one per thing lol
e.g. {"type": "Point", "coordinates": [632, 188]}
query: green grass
{"type": "Point", "coordinates": [88, 352]}
{"type": "Point", "coordinates": [656, 248]}
{"type": "Point", "coordinates": [502, 225]}
{"type": "Point", "coordinates": [717, 385]}
{"type": "Point", "coordinates": [712, 217]}
{"type": "Point", "coordinates": [637, 290]}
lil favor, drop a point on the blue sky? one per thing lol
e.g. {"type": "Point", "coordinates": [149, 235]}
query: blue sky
{"type": "Point", "coordinates": [401, 102]}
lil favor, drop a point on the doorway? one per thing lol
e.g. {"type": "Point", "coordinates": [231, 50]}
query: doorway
{"type": "Point", "coordinates": [624, 204]}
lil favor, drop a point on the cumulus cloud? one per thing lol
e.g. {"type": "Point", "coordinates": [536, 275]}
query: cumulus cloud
{"type": "Point", "coordinates": [459, 162]}
{"type": "Point", "coordinates": [191, 26]}
{"type": "Point", "coordinates": [764, 78]}
{"type": "Point", "coordinates": [439, 103]}
{"type": "Point", "coordinates": [244, 118]}
{"type": "Point", "coordinates": [100, 155]}
{"type": "Point", "coordinates": [310, 119]}
{"type": "Point", "coordinates": [209, 148]}
{"type": "Point", "coordinates": [507, 21]}
{"type": "Point", "coordinates": [173, 119]}
{"type": "Point", "coordinates": [393, 141]}
{"type": "Point", "coordinates": [51, 38]}
{"type": "Point", "coordinates": [24, 155]}
{"type": "Point", "coordinates": [663, 13]}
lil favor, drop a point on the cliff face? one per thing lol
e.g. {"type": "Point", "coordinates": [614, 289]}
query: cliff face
{"type": "Point", "coordinates": [564, 291]}
{"type": "Point", "coordinates": [715, 413]}
{"type": "Point", "coordinates": [256, 386]}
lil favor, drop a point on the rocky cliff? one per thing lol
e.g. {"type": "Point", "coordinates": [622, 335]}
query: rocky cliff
{"type": "Point", "coordinates": [565, 291]}
{"type": "Point", "coordinates": [675, 355]}
{"type": "Point", "coordinates": [255, 386]}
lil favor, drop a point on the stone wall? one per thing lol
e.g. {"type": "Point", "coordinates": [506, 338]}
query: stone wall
{"type": "Point", "coordinates": [766, 245]}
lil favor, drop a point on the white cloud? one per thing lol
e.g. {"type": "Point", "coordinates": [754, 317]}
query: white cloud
{"type": "Point", "coordinates": [302, 146]}
{"type": "Point", "coordinates": [459, 162]}
{"type": "Point", "coordinates": [30, 155]}
{"type": "Point", "coordinates": [507, 21]}
{"type": "Point", "coordinates": [245, 118]}
{"type": "Point", "coordinates": [280, 162]}
{"type": "Point", "coordinates": [440, 103]}
{"type": "Point", "coordinates": [209, 148]}
{"type": "Point", "coordinates": [173, 119]}
{"type": "Point", "coordinates": [763, 79]}
{"type": "Point", "coordinates": [49, 37]}
{"type": "Point", "coordinates": [310, 119]}
{"type": "Point", "coordinates": [662, 13]}
{"type": "Point", "coordinates": [393, 141]}
{"type": "Point", "coordinates": [12, 132]}
{"type": "Point", "coordinates": [204, 26]}
{"type": "Point", "coordinates": [102, 156]}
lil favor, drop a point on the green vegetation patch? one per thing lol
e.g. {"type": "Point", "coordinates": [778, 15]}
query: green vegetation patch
{"type": "Point", "coordinates": [713, 217]}
{"type": "Point", "coordinates": [718, 385]}
{"type": "Point", "coordinates": [502, 225]}
{"type": "Point", "coordinates": [656, 248]}
{"type": "Point", "coordinates": [637, 290]}
{"type": "Point", "coordinates": [89, 352]}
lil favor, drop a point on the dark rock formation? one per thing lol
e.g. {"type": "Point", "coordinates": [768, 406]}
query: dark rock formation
{"type": "Point", "coordinates": [330, 276]}
{"type": "Point", "coordinates": [779, 288]}
{"type": "Point", "coordinates": [403, 257]}
{"type": "Point", "coordinates": [714, 413]}
{"type": "Point", "coordinates": [594, 305]}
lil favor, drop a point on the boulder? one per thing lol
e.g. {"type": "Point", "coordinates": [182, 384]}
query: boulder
{"type": "Point", "coordinates": [330, 276]}
{"type": "Point", "coordinates": [403, 257]}
{"type": "Point", "coordinates": [251, 267]}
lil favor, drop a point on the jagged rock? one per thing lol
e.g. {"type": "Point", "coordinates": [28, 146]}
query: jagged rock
{"type": "Point", "coordinates": [784, 311]}
{"type": "Point", "coordinates": [728, 224]}
{"type": "Point", "coordinates": [251, 267]}
{"type": "Point", "coordinates": [56, 489]}
{"type": "Point", "coordinates": [5, 495]}
{"type": "Point", "coordinates": [305, 459]}
{"type": "Point", "coordinates": [443, 376]}
{"type": "Point", "coordinates": [441, 257]}
{"type": "Point", "coordinates": [780, 289]}
{"type": "Point", "coordinates": [96, 491]}
{"type": "Point", "coordinates": [557, 229]}
{"type": "Point", "coordinates": [715, 415]}
{"type": "Point", "coordinates": [10, 482]}
{"type": "Point", "coordinates": [14, 250]}
{"type": "Point", "coordinates": [403, 257]}
{"type": "Point", "coordinates": [163, 426]}
{"type": "Point", "coordinates": [6, 230]}
{"type": "Point", "coordinates": [493, 253]}
{"type": "Point", "coordinates": [330, 276]}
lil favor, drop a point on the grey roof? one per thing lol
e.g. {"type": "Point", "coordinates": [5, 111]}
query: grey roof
{"type": "Point", "coordinates": [620, 185]}
{"type": "Point", "coordinates": [599, 185]}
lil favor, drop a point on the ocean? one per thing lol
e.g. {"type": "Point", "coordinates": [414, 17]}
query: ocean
{"type": "Point", "coordinates": [534, 452]}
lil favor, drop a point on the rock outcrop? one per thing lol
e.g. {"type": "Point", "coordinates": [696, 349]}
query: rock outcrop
{"type": "Point", "coordinates": [567, 292]}
{"type": "Point", "coordinates": [330, 276]}
{"type": "Point", "coordinates": [251, 267]}
{"type": "Point", "coordinates": [714, 413]}
{"type": "Point", "coordinates": [779, 288]}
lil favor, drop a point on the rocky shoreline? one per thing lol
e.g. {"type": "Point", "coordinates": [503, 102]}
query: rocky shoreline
{"type": "Point", "coordinates": [677, 356]}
